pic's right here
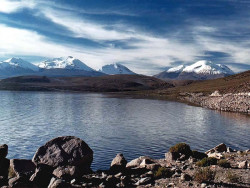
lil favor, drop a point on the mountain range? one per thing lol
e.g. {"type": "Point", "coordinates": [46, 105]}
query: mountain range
{"type": "Point", "coordinates": [57, 67]}
{"type": "Point", "coordinates": [70, 66]}
{"type": "Point", "coordinates": [201, 70]}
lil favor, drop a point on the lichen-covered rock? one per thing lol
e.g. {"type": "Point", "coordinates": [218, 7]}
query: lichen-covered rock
{"type": "Point", "coordinates": [63, 151]}
{"type": "Point", "coordinates": [118, 164]}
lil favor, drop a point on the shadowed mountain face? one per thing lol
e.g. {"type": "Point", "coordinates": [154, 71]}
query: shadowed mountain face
{"type": "Point", "coordinates": [110, 83]}
{"type": "Point", "coordinates": [201, 70]}
{"type": "Point", "coordinates": [116, 68]}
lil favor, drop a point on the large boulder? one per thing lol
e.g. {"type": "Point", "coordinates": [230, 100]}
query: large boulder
{"type": "Point", "coordinates": [3, 151]}
{"type": "Point", "coordinates": [21, 167]}
{"type": "Point", "coordinates": [118, 164]}
{"type": "Point", "coordinates": [63, 151]}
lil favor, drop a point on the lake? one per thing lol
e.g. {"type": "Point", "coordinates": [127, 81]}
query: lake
{"type": "Point", "coordinates": [134, 127]}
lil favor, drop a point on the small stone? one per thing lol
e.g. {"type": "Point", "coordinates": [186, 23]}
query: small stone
{"type": "Point", "coordinates": [143, 181]}
{"type": "Point", "coordinates": [73, 181]}
{"type": "Point", "coordinates": [215, 155]}
{"type": "Point", "coordinates": [185, 177]}
{"type": "Point", "coordinates": [203, 185]}
{"type": "Point", "coordinates": [239, 152]}
{"type": "Point", "coordinates": [243, 164]}
{"type": "Point", "coordinates": [118, 175]}
{"type": "Point", "coordinates": [170, 185]}
{"type": "Point", "coordinates": [229, 150]}
{"type": "Point", "coordinates": [57, 183]}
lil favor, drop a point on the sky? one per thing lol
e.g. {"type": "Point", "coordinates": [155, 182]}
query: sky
{"type": "Point", "coordinates": [147, 36]}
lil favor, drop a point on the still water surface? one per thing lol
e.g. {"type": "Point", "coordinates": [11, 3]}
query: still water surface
{"type": "Point", "coordinates": [133, 127]}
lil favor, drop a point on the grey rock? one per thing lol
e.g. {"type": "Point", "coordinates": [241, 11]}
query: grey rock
{"type": "Point", "coordinates": [171, 156]}
{"type": "Point", "coordinates": [20, 182]}
{"type": "Point", "coordinates": [63, 151]}
{"type": "Point", "coordinates": [229, 150]}
{"type": "Point", "coordinates": [22, 167]}
{"type": "Point", "coordinates": [185, 177]}
{"type": "Point", "coordinates": [203, 185]}
{"type": "Point", "coordinates": [67, 172]}
{"type": "Point", "coordinates": [144, 181]}
{"type": "Point", "coordinates": [218, 149]}
{"type": "Point", "coordinates": [4, 167]}
{"type": "Point", "coordinates": [3, 181]}
{"type": "Point", "coordinates": [58, 183]}
{"type": "Point", "coordinates": [42, 175]}
{"type": "Point", "coordinates": [243, 164]}
{"type": "Point", "coordinates": [118, 164]}
{"type": "Point", "coordinates": [3, 151]}
{"type": "Point", "coordinates": [138, 162]}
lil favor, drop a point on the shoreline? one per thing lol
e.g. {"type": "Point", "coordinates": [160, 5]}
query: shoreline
{"type": "Point", "coordinates": [226, 102]}
{"type": "Point", "coordinates": [66, 162]}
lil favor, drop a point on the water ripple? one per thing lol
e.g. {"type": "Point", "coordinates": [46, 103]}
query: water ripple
{"type": "Point", "coordinates": [134, 127]}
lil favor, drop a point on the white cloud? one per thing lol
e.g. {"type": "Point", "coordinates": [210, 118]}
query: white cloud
{"type": "Point", "coordinates": [148, 52]}
{"type": "Point", "coordinates": [7, 6]}
{"type": "Point", "coordinates": [83, 28]}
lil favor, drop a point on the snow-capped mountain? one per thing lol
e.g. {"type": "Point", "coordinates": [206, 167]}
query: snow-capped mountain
{"type": "Point", "coordinates": [66, 67]}
{"type": "Point", "coordinates": [16, 67]}
{"type": "Point", "coordinates": [64, 63]}
{"type": "Point", "coordinates": [18, 63]}
{"type": "Point", "coordinates": [201, 70]}
{"type": "Point", "coordinates": [115, 68]}
{"type": "Point", "coordinates": [207, 67]}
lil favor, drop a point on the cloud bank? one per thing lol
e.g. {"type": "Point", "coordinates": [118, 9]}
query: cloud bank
{"type": "Point", "coordinates": [99, 41]}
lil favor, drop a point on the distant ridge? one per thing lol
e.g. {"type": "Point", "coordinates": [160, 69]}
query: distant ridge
{"type": "Point", "coordinates": [201, 70]}
{"type": "Point", "coordinates": [116, 68]}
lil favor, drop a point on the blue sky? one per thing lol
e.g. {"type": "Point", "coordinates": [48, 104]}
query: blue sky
{"type": "Point", "coordinates": [146, 35]}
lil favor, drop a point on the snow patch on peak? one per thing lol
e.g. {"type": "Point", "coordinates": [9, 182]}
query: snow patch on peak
{"type": "Point", "coordinates": [176, 69]}
{"type": "Point", "coordinates": [64, 63]}
{"type": "Point", "coordinates": [207, 67]}
{"type": "Point", "coordinates": [18, 63]}
{"type": "Point", "coordinates": [115, 68]}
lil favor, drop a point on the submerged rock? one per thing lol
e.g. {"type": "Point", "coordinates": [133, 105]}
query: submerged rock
{"type": "Point", "coordinates": [63, 151]}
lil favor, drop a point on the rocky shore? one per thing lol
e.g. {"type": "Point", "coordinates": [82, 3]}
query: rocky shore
{"type": "Point", "coordinates": [230, 102]}
{"type": "Point", "coordinates": [66, 162]}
